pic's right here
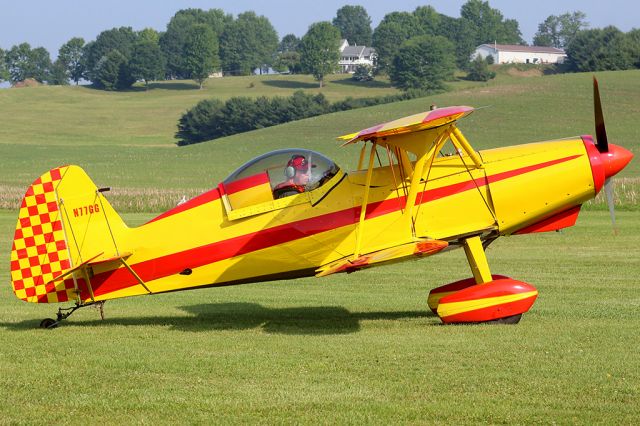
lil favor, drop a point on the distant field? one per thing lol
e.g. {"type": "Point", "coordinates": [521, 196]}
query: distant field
{"type": "Point", "coordinates": [354, 349]}
{"type": "Point", "coordinates": [125, 140]}
{"type": "Point", "coordinates": [73, 116]}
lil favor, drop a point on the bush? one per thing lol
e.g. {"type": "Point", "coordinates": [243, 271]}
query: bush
{"type": "Point", "coordinates": [363, 73]}
{"type": "Point", "coordinates": [423, 63]}
{"type": "Point", "coordinates": [479, 70]}
{"type": "Point", "coordinates": [212, 119]}
{"type": "Point", "coordinates": [200, 123]}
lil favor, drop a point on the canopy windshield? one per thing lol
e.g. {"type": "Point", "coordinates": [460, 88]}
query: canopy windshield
{"type": "Point", "coordinates": [287, 165]}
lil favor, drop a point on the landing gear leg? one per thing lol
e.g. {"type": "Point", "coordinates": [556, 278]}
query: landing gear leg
{"type": "Point", "coordinates": [477, 260]}
{"type": "Point", "coordinates": [64, 313]}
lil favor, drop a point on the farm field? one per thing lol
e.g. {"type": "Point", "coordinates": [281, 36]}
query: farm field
{"type": "Point", "coordinates": [359, 348]}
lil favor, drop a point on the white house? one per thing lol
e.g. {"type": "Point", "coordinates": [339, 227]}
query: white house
{"type": "Point", "coordinates": [513, 53]}
{"type": "Point", "coordinates": [352, 56]}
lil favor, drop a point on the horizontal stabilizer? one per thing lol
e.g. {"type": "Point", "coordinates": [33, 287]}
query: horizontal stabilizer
{"type": "Point", "coordinates": [70, 271]}
{"type": "Point", "coordinates": [92, 261]}
{"type": "Point", "coordinates": [110, 259]}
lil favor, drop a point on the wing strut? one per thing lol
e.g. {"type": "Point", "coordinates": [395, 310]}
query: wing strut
{"type": "Point", "coordinates": [459, 140]}
{"type": "Point", "coordinates": [365, 200]}
{"type": "Point", "coordinates": [135, 275]}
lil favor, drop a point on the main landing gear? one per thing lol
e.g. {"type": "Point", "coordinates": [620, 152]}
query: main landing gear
{"type": "Point", "coordinates": [64, 313]}
{"type": "Point", "coordinates": [485, 298]}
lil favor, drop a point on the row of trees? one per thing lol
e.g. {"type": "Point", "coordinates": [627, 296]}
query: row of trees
{"type": "Point", "coordinates": [195, 44]}
{"type": "Point", "coordinates": [212, 118]}
{"type": "Point", "coordinates": [418, 49]}
{"type": "Point", "coordinates": [479, 23]}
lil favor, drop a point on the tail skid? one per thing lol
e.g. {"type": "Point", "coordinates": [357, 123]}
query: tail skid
{"type": "Point", "coordinates": [64, 226]}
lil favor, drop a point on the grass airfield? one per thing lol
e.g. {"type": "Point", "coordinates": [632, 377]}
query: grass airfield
{"type": "Point", "coordinates": [358, 348]}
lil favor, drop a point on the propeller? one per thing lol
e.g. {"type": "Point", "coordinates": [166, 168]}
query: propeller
{"type": "Point", "coordinates": [608, 192]}
{"type": "Point", "coordinates": [603, 147]}
{"type": "Point", "coordinates": [601, 133]}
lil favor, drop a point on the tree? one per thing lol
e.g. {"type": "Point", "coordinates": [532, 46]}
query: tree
{"type": "Point", "coordinates": [634, 41]}
{"type": "Point", "coordinates": [354, 24]}
{"type": "Point", "coordinates": [423, 63]}
{"type": "Point", "coordinates": [149, 34]}
{"type": "Point", "coordinates": [288, 61]}
{"type": "Point", "coordinates": [428, 20]}
{"type": "Point", "coordinates": [70, 55]}
{"type": "Point", "coordinates": [394, 29]}
{"type": "Point", "coordinates": [201, 52]}
{"type": "Point", "coordinates": [58, 74]}
{"type": "Point", "coordinates": [172, 41]}
{"type": "Point", "coordinates": [489, 24]}
{"type": "Point", "coordinates": [121, 39]}
{"type": "Point", "coordinates": [4, 73]}
{"type": "Point", "coordinates": [319, 50]}
{"type": "Point", "coordinates": [41, 63]}
{"type": "Point", "coordinates": [109, 71]}
{"type": "Point", "coordinates": [22, 63]}
{"type": "Point", "coordinates": [248, 43]}
{"type": "Point", "coordinates": [289, 43]}
{"type": "Point", "coordinates": [558, 31]}
{"type": "Point", "coordinates": [147, 62]}
{"type": "Point", "coordinates": [288, 57]}
{"type": "Point", "coordinates": [600, 50]}
{"type": "Point", "coordinates": [19, 63]}
{"type": "Point", "coordinates": [463, 35]}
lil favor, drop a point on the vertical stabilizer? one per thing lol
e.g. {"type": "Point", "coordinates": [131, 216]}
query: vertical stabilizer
{"type": "Point", "coordinates": [64, 222]}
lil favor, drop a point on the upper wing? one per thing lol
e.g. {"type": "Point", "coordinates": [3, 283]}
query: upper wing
{"type": "Point", "coordinates": [413, 123]}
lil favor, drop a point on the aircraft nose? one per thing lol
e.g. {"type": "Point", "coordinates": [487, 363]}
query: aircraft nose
{"type": "Point", "coordinates": [615, 159]}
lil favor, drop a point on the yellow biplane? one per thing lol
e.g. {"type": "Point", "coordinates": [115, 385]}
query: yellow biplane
{"type": "Point", "coordinates": [419, 189]}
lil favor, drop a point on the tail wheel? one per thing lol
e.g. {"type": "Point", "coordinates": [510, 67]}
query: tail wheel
{"type": "Point", "coordinates": [48, 323]}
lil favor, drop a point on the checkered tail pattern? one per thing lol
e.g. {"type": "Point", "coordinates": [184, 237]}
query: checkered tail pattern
{"type": "Point", "coordinates": [40, 255]}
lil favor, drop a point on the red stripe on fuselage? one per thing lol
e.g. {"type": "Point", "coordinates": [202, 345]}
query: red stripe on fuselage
{"type": "Point", "coordinates": [456, 188]}
{"type": "Point", "coordinates": [199, 256]}
{"type": "Point", "coordinates": [174, 263]}
{"type": "Point", "coordinates": [201, 199]}
{"type": "Point", "coordinates": [246, 183]}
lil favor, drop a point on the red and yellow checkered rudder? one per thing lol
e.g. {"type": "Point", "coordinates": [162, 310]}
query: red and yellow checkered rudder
{"type": "Point", "coordinates": [63, 219]}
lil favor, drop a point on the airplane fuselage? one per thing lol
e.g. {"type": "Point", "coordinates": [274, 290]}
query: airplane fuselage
{"type": "Point", "coordinates": [195, 244]}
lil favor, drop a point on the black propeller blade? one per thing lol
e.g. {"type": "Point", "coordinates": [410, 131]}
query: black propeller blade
{"type": "Point", "coordinates": [601, 133]}
{"type": "Point", "coordinates": [603, 146]}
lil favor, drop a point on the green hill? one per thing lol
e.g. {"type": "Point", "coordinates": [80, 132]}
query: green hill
{"type": "Point", "coordinates": [125, 140]}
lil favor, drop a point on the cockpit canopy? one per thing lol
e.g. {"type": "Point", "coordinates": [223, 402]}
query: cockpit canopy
{"type": "Point", "coordinates": [300, 168]}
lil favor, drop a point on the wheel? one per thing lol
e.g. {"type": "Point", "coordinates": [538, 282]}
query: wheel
{"type": "Point", "coordinates": [48, 323]}
{"type": "Point", "coordinates": [513, 319]}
